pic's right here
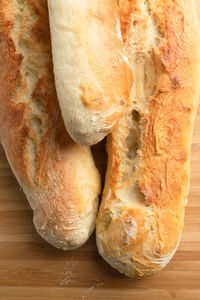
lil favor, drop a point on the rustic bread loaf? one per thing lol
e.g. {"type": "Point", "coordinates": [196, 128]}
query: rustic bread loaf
{"type": "Point", "coordinates": [92, 73]}
{"type": "Point", "coordinates": [142, 213]}
{"type": "Point", "coordinates": [58, 177]}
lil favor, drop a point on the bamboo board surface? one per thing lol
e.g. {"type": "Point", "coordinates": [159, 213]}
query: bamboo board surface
{"type": "Point", "coordinates": [30, 269]}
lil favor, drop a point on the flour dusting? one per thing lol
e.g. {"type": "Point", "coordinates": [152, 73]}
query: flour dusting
{"type": "Point", "coordinates": [96, 285]}
{"type": "Point", "coordinates": [68, 274]}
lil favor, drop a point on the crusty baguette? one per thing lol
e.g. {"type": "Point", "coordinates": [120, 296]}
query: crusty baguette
{"type": "Point", "coordinates": [142, 213]}
{"type": "Point", "coordinates": [92, 73]}
{"type": "Point", "coordinates": [58, 177]}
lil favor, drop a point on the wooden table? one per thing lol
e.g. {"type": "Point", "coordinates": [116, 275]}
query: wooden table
{"type": "Point", "coordinates": [32, 269]}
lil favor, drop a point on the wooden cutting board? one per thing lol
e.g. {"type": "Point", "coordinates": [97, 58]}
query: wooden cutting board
{"type": "Point", "coordinates": [32, 269]}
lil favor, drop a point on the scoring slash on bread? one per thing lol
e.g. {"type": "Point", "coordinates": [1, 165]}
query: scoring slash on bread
{"type": "Point", "coordinates": [92, 72]}
{"type": "Point", "coordinates": [58, 176]}
{"type": "Point", "coordinates": [141, 216]}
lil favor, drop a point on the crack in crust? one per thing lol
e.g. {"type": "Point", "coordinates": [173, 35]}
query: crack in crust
{"type": "Point", "coordinates": [58, 177]}
{"type": "Point", "coordinates": [148, 156]}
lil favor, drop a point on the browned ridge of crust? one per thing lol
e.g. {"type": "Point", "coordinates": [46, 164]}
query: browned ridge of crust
{"type": "Point", "coordinates": [58, 177]}
{"type": "Point", "coordinates": [142, 213]}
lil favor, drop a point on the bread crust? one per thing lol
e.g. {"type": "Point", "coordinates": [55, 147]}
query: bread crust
{"type": "Point", "coordinates": [92, 71]}
{"type": "Point", "coordinates": [58, 177]}
{"type": "Point", "coordinates": [141, 216]}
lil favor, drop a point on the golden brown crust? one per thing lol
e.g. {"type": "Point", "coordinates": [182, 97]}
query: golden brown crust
{"type": "Point", "coordinates": [142, 214]}
{"type": "Point", "coordinates": [50, 167]}
{"type": "Point", "coordinates": [108, 68]}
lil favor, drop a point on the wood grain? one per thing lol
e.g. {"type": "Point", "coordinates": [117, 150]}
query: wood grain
{"type": "Point", "coordinates": [32, 269]}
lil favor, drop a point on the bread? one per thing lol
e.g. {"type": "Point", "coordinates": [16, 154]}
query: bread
{"type": "Point", "coordinates": [92, 73]}
{"type": "Point", "coordinates": [141, 216]}
{"type": "Point", "coordinates": [58, 177]}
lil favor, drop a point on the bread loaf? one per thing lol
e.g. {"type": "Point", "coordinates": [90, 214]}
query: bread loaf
{"type": "Point", "coordinates": [92, 72]}
{"type": "Point", "coordinates": [58, 177]}
{"type": "Point", "coordinates": [141, 216]}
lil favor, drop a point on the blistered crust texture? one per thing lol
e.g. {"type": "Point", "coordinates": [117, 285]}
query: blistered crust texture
{"type": "Point", "coordinates": [142, 213]}
{"type": "Point", "coordinates": [58, 177]}
{"type": "Point", "coordinates": [92, 71]}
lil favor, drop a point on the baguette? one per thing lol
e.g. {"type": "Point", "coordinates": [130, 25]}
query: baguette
{"type": "Point", "coordinates": [141, 216]}
{"type": "Point", "coordinates": [58, 176]}
{"type": "Point", "coordinates": [92, 72]}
